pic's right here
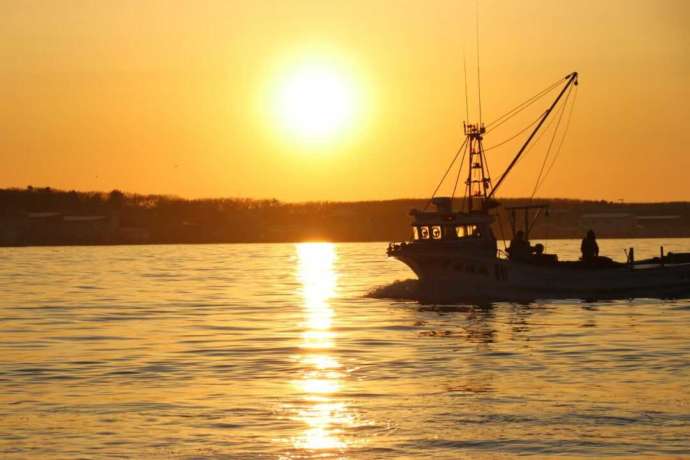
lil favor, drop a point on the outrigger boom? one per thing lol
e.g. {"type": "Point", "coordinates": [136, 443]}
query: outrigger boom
{"type": "Point", "coordinates": [571, 79]}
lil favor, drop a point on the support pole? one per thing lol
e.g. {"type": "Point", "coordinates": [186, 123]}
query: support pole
{"type": "Point", "coordinates": [526, 224]}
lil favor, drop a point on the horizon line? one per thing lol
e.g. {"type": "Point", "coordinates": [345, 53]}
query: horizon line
{"type": "Point", "coordinates": [236, 197]}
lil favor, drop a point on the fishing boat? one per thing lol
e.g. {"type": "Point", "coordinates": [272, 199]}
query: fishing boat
{"type": "Point", "coordinates": [455, 253]}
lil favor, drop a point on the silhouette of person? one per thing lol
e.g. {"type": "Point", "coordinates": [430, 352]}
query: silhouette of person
{"type": "Point", "coordinates": [520, 248]}
{"type": "Point", "coordinates": [589, 247]}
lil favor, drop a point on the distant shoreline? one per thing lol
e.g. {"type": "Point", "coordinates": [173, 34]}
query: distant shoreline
{"type": "Point", "coordinates": [48, 217]}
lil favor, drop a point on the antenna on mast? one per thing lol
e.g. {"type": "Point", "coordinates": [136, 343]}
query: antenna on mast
{"type": "Point", "coordinates": [479, 81]}
{"type": "Point", "coordinates": [467, 97]}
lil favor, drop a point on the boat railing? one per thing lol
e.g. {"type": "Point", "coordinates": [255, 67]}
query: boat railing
{"type": "Point", "coordinates": [395, 246]}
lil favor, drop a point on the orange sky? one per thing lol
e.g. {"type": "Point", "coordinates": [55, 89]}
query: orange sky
{"type": "Point", "coordinates": [176, 97]}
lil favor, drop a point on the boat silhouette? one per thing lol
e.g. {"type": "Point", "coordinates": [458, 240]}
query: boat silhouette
{"type": "Point", "coordinates": [455, 254]}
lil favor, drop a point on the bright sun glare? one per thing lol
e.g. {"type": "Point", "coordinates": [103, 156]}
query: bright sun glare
{"type": "Point", "coordinates": [316, 102]}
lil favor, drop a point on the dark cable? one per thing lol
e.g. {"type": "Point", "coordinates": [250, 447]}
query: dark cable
{"type": "Point", "coordinates": [520, 107]}
{"type": "Point", "coordinates": [553, 138]}
{"type": "Point", "coordinates": [446, 173]}
{"type": "Point", "coordinates": [516, 135]}
{"type": "Point", "coordinates": [457, 178]}
{"type": "Point", "coordinates": [565, 133]}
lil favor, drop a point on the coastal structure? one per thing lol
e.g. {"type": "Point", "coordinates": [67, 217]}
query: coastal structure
{"type": "Point", "coordinates": [49, 227]}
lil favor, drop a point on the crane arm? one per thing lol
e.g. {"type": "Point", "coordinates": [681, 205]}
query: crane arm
{"type": "Point", "coordinates": [571, 79]}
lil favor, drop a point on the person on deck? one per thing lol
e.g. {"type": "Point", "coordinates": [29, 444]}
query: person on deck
{"type": "Point", "coordinates": [589, 247]}
{"type": "Point", "coordinates": [520, 248]}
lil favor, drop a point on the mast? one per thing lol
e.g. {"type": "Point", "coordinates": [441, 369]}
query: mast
{"type": "Point", "coordinates": [478, 182]}
{"type": "Point", "coordinates": [570, 80]}
{"type": "Point", "coordinates": [479, 191]}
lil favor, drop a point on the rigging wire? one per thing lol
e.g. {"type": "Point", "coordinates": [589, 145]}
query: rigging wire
{"type": "Point", "coordinates": [450, 166]}
{"type": "Point", "coordinates": [457, 178]}
{"type": "Point", "coordinates": [502, 119]}
{"type": "Point", "coordinates": [570, 79]}
{"type": "Point", "coordinates": [485, 163]}
{"type": "Point", "coordinates": [565, 133]}
{"type": "Point", "coordinates": [553, 138]}
{"type": "Point", "coordinates": [520, 107]}
{"type": "Point", "coordinates": [516, 135]}
{"type": "Point", "coordinates": [537, 138]}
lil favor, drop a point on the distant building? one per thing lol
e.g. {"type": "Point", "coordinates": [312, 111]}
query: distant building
{"type": "Point", "coordinates": [660, 225]}
{"type": "Point", "coordinates": [631, 225]}
{"type": "Point", "coordinates": [657, 219]}
{"type": "Point", "coordinates": [57, 228]}
{"type": "Point", "coordinates": [92, 229]}
{"type": "Point", "coordinates": [609, 224]}
{"type": "Point", "coordinates": [41, 227]}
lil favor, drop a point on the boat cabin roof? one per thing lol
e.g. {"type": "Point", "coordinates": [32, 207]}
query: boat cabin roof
{"type": "Point", "coordinates": [450, 218]}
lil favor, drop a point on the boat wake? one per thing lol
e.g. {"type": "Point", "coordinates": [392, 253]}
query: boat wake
{"type": "Point", "coordinates": [397, 290]}
{"type": "Point", "coordinates": [411, 290]}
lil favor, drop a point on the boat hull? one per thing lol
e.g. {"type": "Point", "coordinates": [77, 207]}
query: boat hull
{"type": "Point", "coordinates": [446, 277]}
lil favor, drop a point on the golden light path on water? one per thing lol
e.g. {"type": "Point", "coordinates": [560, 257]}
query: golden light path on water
{"type": "Point", "coordinates": [321, 379]}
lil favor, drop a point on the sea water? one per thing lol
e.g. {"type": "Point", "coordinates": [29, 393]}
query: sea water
{"type": "Point", "coordinates": [313, 350]}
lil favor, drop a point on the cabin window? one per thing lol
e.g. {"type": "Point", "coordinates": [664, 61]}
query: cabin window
{"type": "Point", "coordinates": [464, 231]}
{"type": "Point", "coordinates": [415, 233]}
{"type": "Point", "coordinates": [424, 232]}
{"type": "Point", "coordinates": [436, 232]}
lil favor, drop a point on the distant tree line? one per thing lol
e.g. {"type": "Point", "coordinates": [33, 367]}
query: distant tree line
{"type": "Point", "coordinates": [170, 219]}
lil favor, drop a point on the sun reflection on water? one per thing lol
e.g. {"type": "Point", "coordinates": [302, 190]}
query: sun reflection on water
{"type": "Point", "coordinates": [321, 378]}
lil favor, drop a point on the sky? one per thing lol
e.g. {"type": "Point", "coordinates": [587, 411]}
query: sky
{"type": "Point", "coordinates": [357, 100]}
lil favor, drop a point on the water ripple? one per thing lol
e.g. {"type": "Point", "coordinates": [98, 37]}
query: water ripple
{"type": "Point", "coordinates": [315, 351]}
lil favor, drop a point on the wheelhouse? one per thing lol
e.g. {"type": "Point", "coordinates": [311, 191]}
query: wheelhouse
{"type": "Point", "coordinates": [445, 225]}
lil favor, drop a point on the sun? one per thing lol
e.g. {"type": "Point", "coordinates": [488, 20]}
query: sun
{"type": "Point", "coordinates": [316, 102]}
